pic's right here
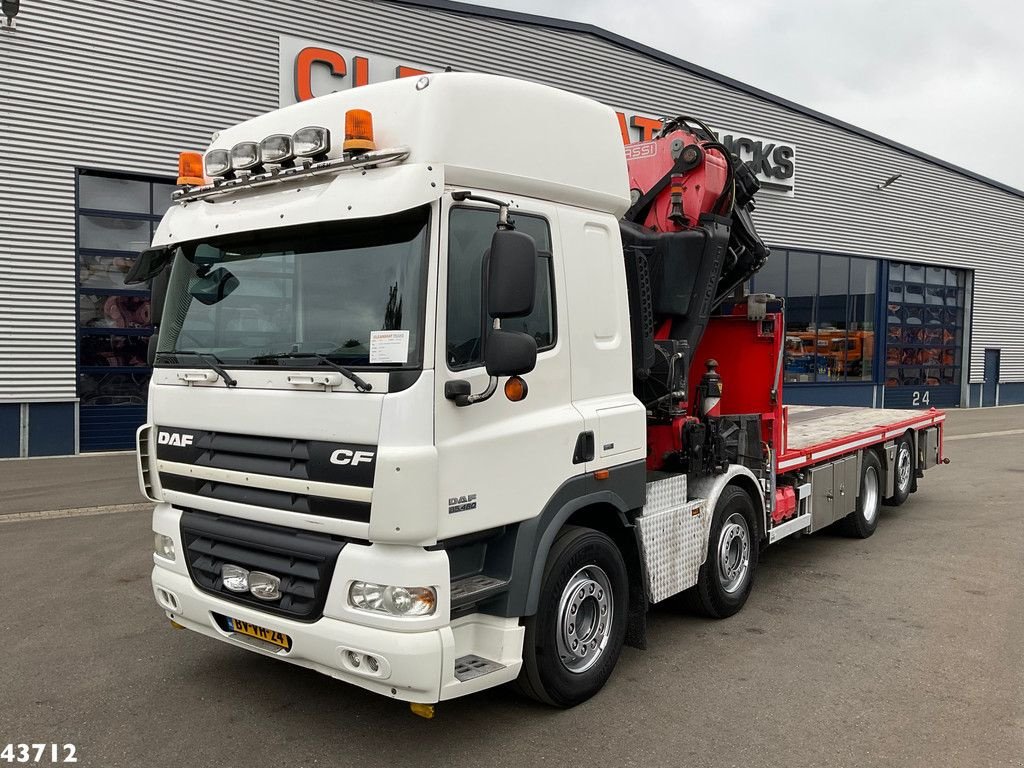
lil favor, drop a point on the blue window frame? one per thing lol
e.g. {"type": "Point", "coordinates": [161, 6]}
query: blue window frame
{"type": "Point", "coordinates": [831, 314]}
{"type": "Point", "coordinates": [116, 217]}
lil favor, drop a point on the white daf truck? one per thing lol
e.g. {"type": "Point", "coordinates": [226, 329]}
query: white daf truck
{"type": "Point", "coordinates": [421, 416]}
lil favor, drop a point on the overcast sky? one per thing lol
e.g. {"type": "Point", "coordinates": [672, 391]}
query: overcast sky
{"type": "Point", "coordinates": [943, 76]}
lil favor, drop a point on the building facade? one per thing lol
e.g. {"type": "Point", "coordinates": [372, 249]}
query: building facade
{"type": "Point", "coordinates": [901, 272]}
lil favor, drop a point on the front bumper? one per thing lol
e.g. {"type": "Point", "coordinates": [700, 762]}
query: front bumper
{"type": "Point", "coordinates": [417, 656]}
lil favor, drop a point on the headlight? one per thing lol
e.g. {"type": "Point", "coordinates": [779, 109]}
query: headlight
{"type": "Point", "coordinates": [245, 155]}
{"type": "Point", "coordinates": [235, 578]}
{"type": "Point", "coordinates": [312, 141]}
{"type": "Point", "coordinates": [276, 149]}
{"type": "Point", "coordinates": [163, 546]}
{"type": "Point", "coordinates": [396, 601]}
{"type": "Point", "coordinates": [218, 162]}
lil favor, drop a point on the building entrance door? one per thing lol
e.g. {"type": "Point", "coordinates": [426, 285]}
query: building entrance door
{"type": "Point", "coordinates": [989, 390]}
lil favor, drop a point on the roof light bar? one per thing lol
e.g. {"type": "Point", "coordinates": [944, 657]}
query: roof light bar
{"type": "Point", "coordinates": [224, 186]}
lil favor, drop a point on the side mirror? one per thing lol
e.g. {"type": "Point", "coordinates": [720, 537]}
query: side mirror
{"type": "Point", "coordinates": [509, 353]}
{"type": "Point", "coordinates": [216, 285]}
{"type": "Point", "coordinates": [148, 265]}
{"type": "Point", "coordinates": [511, 274]}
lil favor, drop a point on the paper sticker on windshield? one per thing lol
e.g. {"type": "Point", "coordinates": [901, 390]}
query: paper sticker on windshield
{"type": "Point", "coordinates": [389, 347]}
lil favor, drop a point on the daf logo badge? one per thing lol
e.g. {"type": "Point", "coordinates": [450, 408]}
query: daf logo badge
{"type": "Point", "coordinates": [174, 438]}
{"type": "Point", "coordinates": [346, 457]}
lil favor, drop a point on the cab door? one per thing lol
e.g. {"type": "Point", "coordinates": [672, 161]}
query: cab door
{"type": "Point", "coordinates": [500, 461]}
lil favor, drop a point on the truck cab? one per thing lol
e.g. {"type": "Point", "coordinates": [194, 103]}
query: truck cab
{"type": "Point", "coordinates": [367, 506]}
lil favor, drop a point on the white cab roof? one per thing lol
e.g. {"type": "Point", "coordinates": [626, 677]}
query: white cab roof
{"type": "Point", "coordinates": [485, 132]}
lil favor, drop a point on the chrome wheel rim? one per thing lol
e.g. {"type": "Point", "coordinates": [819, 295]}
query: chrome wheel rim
{"type": "Point", "coordinates": [734, 553]}
{"type": "Point", "coordinates": [870, 494]}
{"type": "Point", "coordinates": [903, 467]}
{"type": "Point", "coordinates": [585, 615]}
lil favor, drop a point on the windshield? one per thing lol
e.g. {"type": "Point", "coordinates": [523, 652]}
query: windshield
{"type": "Point", "coordinates": [352, 292]}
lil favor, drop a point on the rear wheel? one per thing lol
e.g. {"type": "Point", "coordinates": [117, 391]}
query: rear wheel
{"type": "Point", "coordinates": [863, 521]}
{"type": "Point", "coordinates": [573, 641]}
{"type": "Point", "coordinates": [727, 576]}
{"type": "Point", "coordinates": [903, 469]}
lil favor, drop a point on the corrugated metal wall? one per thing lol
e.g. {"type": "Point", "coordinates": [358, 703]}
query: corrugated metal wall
{"type": "Point", "coordinates": [125, 85]}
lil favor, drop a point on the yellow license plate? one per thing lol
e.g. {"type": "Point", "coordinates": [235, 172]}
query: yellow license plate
{"type": "Point", "coordinates": [279, 639]}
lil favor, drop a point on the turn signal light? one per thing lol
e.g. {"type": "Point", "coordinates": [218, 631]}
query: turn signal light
{"type": "Point", "coordinates": [358, 131]}
{"type": "Point", "coordinates": [516, 389]}
{"type": "Point", "coordinates": [190, 169]}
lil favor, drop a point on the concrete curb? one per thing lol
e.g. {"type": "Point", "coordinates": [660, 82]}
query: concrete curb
{"type": "Point", "coordinates": [52, 514]}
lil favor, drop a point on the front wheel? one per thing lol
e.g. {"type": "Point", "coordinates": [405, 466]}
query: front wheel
{"type": "Point", "coordinates": [725, 580]}
{"type": "Point", "coordinates": [572, 643]}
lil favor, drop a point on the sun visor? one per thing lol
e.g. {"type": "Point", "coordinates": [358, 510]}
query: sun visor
{"type": "Point", "coordinates": [351, 194]}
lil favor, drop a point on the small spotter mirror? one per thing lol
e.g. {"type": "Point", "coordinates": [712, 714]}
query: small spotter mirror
{"type": "Point", "coordinates": [216, 285]}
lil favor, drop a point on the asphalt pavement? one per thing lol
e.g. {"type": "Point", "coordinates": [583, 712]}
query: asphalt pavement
{"type": "Point", "coordinates": [904, 649]}
{"type": "Point", "coordinates": [87, 481]}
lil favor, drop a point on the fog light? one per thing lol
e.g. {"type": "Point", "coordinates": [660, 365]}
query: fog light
{"type": "Point", "coordinates": [163, 546]}
{"type": "Point", "coordinates": [218, 162]}
{"type": "Point", "coordinates": [311, 142]}
{"type": "Point", "coordinates": [276, 149]}
{"type": "Point", "coordinates": [235, 579]}
{"type": "Point", "coordinates": [245, 155]}
{"type": "Point", "coordinates": [264, 586]}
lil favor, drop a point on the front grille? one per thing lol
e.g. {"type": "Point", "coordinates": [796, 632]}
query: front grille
{"type": "Point", "coordinates": [263, 460]}
{"type": "Point", "coordinates": [303, 561]}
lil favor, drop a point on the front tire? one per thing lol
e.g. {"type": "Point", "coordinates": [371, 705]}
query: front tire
{"type": "Point", "coordinates": [725, 580]}
{"type": "Point", "coordinates": [863, 521]}
{"type": "Point", "coordinates": [903, 468]}
{"type": "Point", "coordinates": [574, 640]}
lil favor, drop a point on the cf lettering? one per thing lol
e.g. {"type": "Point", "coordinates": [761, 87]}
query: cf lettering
{"type": "Point", "coordinates": [344, 457]}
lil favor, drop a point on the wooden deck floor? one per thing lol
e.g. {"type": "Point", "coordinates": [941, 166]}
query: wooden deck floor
{"type": "Point", "coordinates": [811, 425]}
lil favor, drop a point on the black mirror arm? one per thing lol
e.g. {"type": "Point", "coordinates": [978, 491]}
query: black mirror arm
{"type": "Point", "coordinates": [459, 393]}
{"type": "Point", "coordinates": [503, 220]}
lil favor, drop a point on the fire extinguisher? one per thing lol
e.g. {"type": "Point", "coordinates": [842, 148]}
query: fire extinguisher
{"type": "Point", "coordinates": [711, 391]}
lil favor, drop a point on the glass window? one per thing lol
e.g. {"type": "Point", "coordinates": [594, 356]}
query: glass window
{"type": "Point", "coordinates": [264, 298]}
{"type": "Point", "coordinates": [103, 271]}
{"type": "Point", "coordinates": [109, 233]}
{"type": "Point", "coordinates": [113, 388]}
{"type": "Point", "coordinates": [772, 276]}
{"type": "Point", "coordinates": [104, 311]}
{"type": "Point", "coordinates": [162, 198]}
{"type": "Point", "coordinates": [801, 357]}
{"type": "Point", "coordinates": [110, 350]}
{"type": "Point", "coordinates": [832, 347]}
{"type": "Point", "coordinates": [861, 328]}
{"type": "Point", "coordinates": [925, 328]}
{"type": "Point", "coordinates": [469, 237]}
{"type": "Point", "coordinates": [106, 193]}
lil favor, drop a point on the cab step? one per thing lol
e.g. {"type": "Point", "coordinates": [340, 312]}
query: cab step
{"type": "Point", "coordinates": [472, 589]}
{"type": "Point", "coordinates": [471, 666]}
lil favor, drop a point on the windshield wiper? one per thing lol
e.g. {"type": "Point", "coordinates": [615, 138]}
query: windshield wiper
{"type": "Point", "coordinates": [214, 365]}
{"type": "Point", "coordinates": [361, 384]}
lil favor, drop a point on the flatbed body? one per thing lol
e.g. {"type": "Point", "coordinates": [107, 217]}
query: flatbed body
{"type": "Point", "coordinates": [813, 434]}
